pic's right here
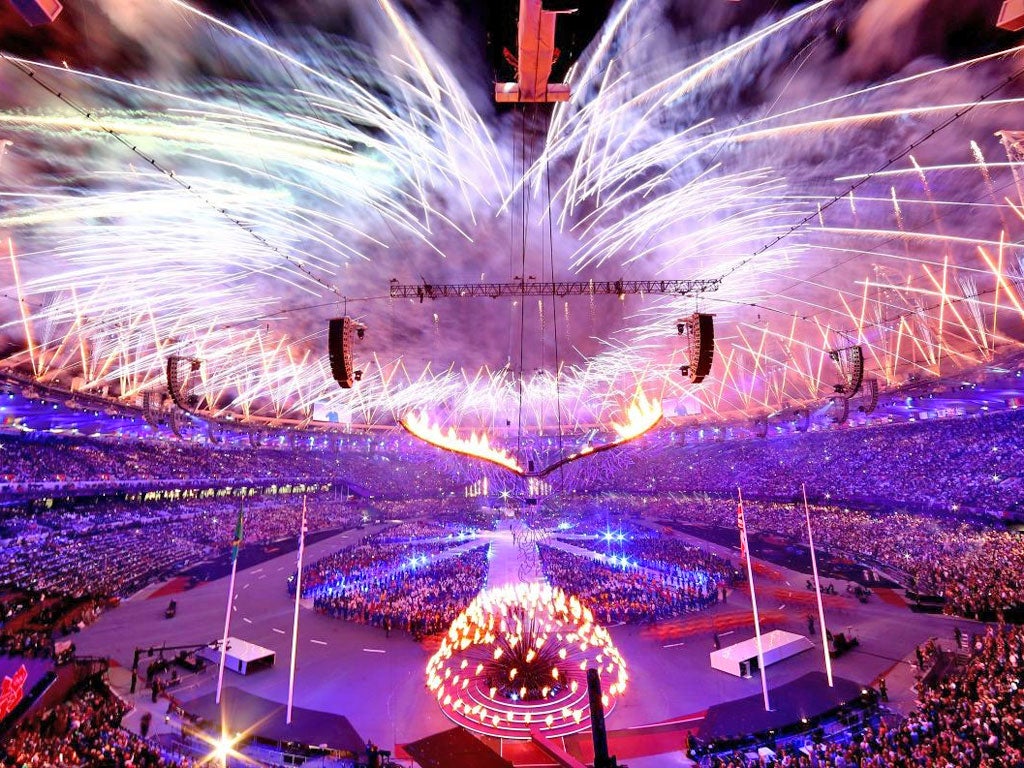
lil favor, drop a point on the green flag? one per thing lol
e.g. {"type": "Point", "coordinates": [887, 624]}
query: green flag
{"type": "Point", "coordinates": [237, 541]}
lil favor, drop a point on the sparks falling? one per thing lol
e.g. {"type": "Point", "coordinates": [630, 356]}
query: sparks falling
{"type": "Point", "coordinates": [225, 217]}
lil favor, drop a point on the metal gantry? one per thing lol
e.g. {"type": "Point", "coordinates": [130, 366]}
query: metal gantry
{"type": "Point", "coordinates": [530, 287]}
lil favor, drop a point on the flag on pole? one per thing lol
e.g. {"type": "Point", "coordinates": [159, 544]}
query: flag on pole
{"type": "Point", "coordinates": [744, 555]}
{"type": "Point", "coordinates": [817, 589]}
{"type": "Point", "coordinates": [235, 546]}
{"type": "Point", "coordinates": [236, 543]}
{"type": "Point", "coordinates": [742, 523]}
{"type": "Point", "coordinates": [295, 619]}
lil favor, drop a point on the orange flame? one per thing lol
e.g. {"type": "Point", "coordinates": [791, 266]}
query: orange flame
{"type": "Point", "coordinates": [641, 416]}
{"type": "Point", "coordinates": [477, 445]}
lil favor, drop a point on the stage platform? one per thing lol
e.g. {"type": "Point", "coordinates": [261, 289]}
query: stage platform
{"type": "Point", "coordinates": [454, 747]}
{"type": "Point", "coordinates": [265, 719]}
{"type": "Point", "coordinates": [242, 657]}
{"type": "Point", "coordinates": [807, 697]}
{"type": "Point", "coordinates": [740, 659]}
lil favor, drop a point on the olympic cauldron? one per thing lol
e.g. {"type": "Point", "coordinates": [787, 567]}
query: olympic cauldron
{"type": "Point", "coordinates": [517, 659]}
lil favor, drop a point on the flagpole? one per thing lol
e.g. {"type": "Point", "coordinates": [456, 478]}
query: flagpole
{"type": "Point", "coordinates": [753, 601]}
{"type": "Point", "coordinates": [295, 619]}
{"type": "Point", "coordinates": [817, 589]}
{"type": "Point", "coordinates": [231, 596]}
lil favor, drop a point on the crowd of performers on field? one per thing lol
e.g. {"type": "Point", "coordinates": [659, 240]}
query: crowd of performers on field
{"type": "Point", "coordinates": [416, 576]}
{"type": "Point", "coordinates": [63, 566]}
{"type": "Point", "coordinates": [101, 552]}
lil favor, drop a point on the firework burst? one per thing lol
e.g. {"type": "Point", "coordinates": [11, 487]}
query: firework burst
{"type": "Point", "coordinates": [226, 216]}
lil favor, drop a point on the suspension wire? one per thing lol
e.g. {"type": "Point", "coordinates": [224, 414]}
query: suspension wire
{"type": "Point", "coordinates": [523, 275]}
{"type": "Point", "coordinates": [512, 240]}
{"type": "Point", "coordinates": [524, 213]}
{"type": "Point", "coordinates": [813, 312]}
{"type": "Point", "coordinates": [895, 158]}
{"type": "Point", "coordinates": [153, 163]}
{"type": "Point", "coordinates": [258, 16]}
{"type": "Point", "coordinates": [880, 323]}
{"type": "Point", "coordinates": [554, 320]}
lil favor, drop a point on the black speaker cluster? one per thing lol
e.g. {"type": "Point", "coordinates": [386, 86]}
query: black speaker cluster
{"type": "Point", "coordinates": [700, 329]}
{"type": "Point", "coordinates": [850, 361]}
{"type": "Point", "coordinates": [182, 373]}
{"type": "Point", "coordinates": [341, 335]}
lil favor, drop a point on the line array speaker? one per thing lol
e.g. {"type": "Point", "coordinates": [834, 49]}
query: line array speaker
{"type": "Point", "coordinates": [701, 331]}
{"type": "Point", "coordinates": [341, 335]}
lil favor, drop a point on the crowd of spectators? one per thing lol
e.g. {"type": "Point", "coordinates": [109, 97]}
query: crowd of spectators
{"type": "Point", "coordinates": [977, 568]}
{"type": "Point", "coordinates": [626, 593]}
{"type": "Point", "coordinates": [971, 718]}
{"type": "Point", "coordinates": [457, 512]}
{"type": "Point", "coordinates": [980, 574]}
{"type": "Point", "coordinates": [967, 463]}
{"type": "Point", "coordinates": [31, 622]}
{"type": "Point", "coordinates": [949, 466]}
{"type": "Point", "coordinates": [114, 549]}
{"type": "Point", "coordinates": [370, 462]}
{"type": "Point", "coordinates": [421, 600]}
{"type": "Point", "coordinates": [52, 458]}
{"type": "Point", "coordinates": [85, 730]}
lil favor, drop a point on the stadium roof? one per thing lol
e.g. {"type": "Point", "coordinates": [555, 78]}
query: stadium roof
{"type": "Point", "coordinates": [215, 182]}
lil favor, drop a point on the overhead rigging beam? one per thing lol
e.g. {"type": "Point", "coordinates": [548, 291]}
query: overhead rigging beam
{"type": "Point", "coordinates": [536, 56]}
{"type": "Point", "coordinates": [426, 290]}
